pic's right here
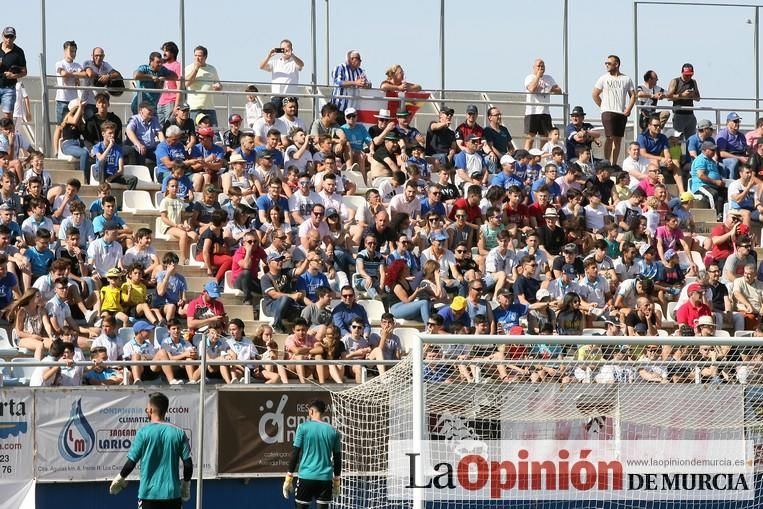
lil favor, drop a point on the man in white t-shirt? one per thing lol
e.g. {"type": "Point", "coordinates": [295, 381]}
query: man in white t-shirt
{"type": "Point", "coordinates": [635, 164]}
{"type": "Point", "coordinates": [99, 73]}
{"type": "Point", "coordinates": [69, 73]}
{"type": "Point", "coordinates": [615, 94]}
{"type": "Point", "coordinates": [406, 203]}
{"type": "Point", "coordinates": [289, 117]}
{"type": "Point", "coordinates": [284, 67]}
{"type": "Point", "coordinates": [537, 114]}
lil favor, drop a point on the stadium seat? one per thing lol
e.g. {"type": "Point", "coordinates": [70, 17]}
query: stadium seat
{"type": "Point", "coordinates": [23, 374]}
{"type": "Point", "coordinates": [662, 333]}
{"type": "Point", "coordinates": [263, 317]}
{"type": "Point", "coordinates": [95, 174]}
{"type": "Point", "coordinates": [703, 215]}
{"type": "Point", "coordinates": [374, 310]}
{"type": "Point", "coordinates": [356, 178]}
{"type": "Point", "coordinates": [142, 173]}
{"type": "Point", "coordinates": [192, 261]}
{"type": "Point", "coordinates": [683, 259]}
{"type": "Point", "coordinates": [669, 319]}
{"type": "Point", "coordinates": [6, 347]}
{"type": "Point", "coordinates": [407, 337]}
{"type": "Point", "coordinates": [160, 333]}
{"type": "Point", "coordinates": [126, 334]}
{"type": "Point", "coordinates": [63, 157]}
{"type": "Point", "coordinates": [594, 330]}
{"type": "Point", "coordinates": [222, 198]}
{"type": "Point", "coordinates": [158, 197]}
{"type": "Point", "coordinates": [228, 286]}
{"type": "Point", "coordinates": [198, 196]}
{"type": "Point", "coordinates": [354, 202]}
{"type": "Point", "coordinates": [722, 334]}
{"type": "Point", "coordinates": [137, 202]}
{"type": "Point", "coordinates": [743, 334]}
{"type": "Point", "coordinates": [157, 230]}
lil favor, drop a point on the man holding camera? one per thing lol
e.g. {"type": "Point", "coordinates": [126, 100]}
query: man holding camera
{"type": "Point", "coordinates": [724, 236]}
{"type": "Point", "coordinates": [284, 67]}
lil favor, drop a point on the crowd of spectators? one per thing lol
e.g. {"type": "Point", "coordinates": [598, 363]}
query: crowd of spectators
{"type": "Point", "coordinates": [453, 228]}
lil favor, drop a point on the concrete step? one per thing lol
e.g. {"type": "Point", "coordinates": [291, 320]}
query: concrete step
{"type": "Point", "coordinates": [239, 311]}
{"type": "Point", "coordinates": [52, 164]}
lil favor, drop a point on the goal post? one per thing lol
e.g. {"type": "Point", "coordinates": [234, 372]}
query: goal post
{"type": "Point", "coordinates": [422, 435]}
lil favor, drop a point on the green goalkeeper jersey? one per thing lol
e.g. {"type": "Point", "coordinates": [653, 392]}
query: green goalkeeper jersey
{"type": "Point", "coordinates": [318, 442]}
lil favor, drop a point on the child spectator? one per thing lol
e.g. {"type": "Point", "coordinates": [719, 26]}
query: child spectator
{"type": "Point", "coordinates": [134, 296]}
{"type": "Point", "coordinates": [112, 302]}
{"type": "Point", "coordinates": [170, 289]}
{"type": "Point", "coordinates": [96, 207]}
{"type": "Point", "coordinates": [40, 257]}
{"type": "Point", "coordinates": [101, 374]}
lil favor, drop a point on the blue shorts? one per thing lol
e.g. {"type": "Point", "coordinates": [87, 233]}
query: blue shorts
{"type": "Point", "coordinates": [7, 99]}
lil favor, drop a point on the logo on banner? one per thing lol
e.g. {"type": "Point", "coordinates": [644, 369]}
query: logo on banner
{"type": "Point", "coordinates": [272, 424]}
{"type": "Point", "coordinates": [77, 438]}
{"type": "Point", "coordinates": [12, 408]}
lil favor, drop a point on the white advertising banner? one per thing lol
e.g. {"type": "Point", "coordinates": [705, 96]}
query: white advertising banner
{"type": "Point", "coordinates": [84, 435]}
{"type": "Point", "coordinates": [16, 449]}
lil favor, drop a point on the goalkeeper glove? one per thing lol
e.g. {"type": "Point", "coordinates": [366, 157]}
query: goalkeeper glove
{"type": "Point", "coordinates": [185, 491]}
{"type": "Point", "coordinates": [287, 485]}
{"type": "Point", "coordinates": [336, 487]}
{"type": "Point", "coordinates": [117, 485]}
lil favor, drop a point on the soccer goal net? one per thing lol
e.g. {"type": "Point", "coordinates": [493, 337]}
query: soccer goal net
{"type": "Point", "coordinates": [473, 424]}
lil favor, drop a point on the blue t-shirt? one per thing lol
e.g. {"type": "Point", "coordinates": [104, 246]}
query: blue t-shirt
{"type": "Point", "coordinates": [39, 261]}
{"type": "Point", "coordinates": [175, 287]}
{"type": "Point", "coordinates": [554, 190]}
{"type": "Point", "coordinates": [277, 155]}
{"type": "Point", "coordinates": [110, 165]}
{"type": "Point", "coordinates": [100, 221]}
{"type": "Point", "coordinates": [694, 143]}
{"type": "Point", "coordinates": [506, 181]}
{"type": "Point", "coordinates": [509, 317]}
{"type": "Point", "coordinates": [357, 136]}
{"type": "Point", "coordinates": [7, 284]}
{"type": "Point", "coordinates": [184, 185]}
{"type": "Point", "coordinates": [250, 158]}
{"type": "Point", "coordinates": [198, 151]}
{"type": "Point", "coordinates": [309, 283]}
{"type": "Point", "coordinates": [176, 151]}
{"type": "Point", "coordinates": [449, 317]}
{"type": "Point", "coordinates": [145, 85]}
{"type": "Point", "coordinates": [710, 167]}
{"type": "Point", "coordinates": [265, 202]}
{"type": "Point", "coordinates": [438, 208]}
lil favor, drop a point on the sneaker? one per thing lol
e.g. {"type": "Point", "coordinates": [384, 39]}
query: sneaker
{"type": "Point", "coordinates": [194, 382]}
{"type": "Point", "coordinates": [234, 380]}
{"type": "Point", "coordinates": [176, 381]}
{"type": "Point", "coordinates": [137, 381]}
{"type": "Point", "coordinates": [354, 167]}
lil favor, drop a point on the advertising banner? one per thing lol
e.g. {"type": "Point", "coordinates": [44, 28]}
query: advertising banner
{"type": "Point", "coordinates": [16, 448]}
{"type": "Point", "coordinates": [256, 429]}
{"type": "Point", "coordinates": [84, 435]}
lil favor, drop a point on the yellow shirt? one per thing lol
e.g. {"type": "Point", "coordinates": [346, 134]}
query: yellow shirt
{"type": "Point", "coordinates": [137, 296]}
{"type": "Point", "coordinates": [111, 299]}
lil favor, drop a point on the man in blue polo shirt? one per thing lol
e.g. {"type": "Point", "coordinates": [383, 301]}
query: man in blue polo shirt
{"type": "Point", "coordinates": [506, 178]}
{"type": "Point", "coordinates": [654, 146]}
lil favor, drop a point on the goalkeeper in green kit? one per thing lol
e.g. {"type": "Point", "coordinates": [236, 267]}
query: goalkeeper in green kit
{"type": "Point", "coordinates": [317, 451]}
{"type": "Point", "coordinates": [158, 447]}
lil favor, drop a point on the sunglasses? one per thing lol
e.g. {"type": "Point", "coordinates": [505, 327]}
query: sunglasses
{"type": "Point", "coordinates": [431, 324]}
{"type": "Point", "coordinates": [478, 289]}
{"type": "Point", "coordinates": [318, 214]}
{"type": "Point", "coordinates": [350, 116]}
{"type": "Point", "coordinates": [348, 296]}
{"type": "Point", "coordinates": [355, 327]}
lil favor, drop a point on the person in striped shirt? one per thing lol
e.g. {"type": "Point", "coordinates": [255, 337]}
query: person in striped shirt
{"type": "Point", "coordinates": [348, 79]}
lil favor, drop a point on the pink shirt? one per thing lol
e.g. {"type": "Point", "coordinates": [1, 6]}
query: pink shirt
{"type": "Point", "coordinates": [254, 268]}
{"type": "Point", "coordinates": [291, 342]}
{"type": "Point", "coordinates": [647, 186]}
{"type": "Point", "coordinates": [670, 239]}
{"type": "Point", "coordinates": [169, 97]}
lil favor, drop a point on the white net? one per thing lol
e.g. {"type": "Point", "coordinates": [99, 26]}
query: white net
{"type": "Point", "coordinates": [658, 406]}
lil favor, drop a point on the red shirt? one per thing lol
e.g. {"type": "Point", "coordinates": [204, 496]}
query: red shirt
{"type": "Point", "coordinates": [463, 131]}
{"type": "Point", "coordinates": [535, 210]}
{"type": "Point", "coordinates": [519, 216]}
{"type": "Point", "coordinates": [725, 249]}
{"type": "Point", "coordinates": [254, 266]}
{"type": "Point", "coordinates": [688, 314]}
{"type": "Point", "coordinates": [473, 212]}
{"type": "Point", "coordinates": [200, 309]}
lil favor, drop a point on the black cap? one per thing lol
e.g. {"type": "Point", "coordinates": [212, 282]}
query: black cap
{"type": "Point", "coordinates": [578, 110]}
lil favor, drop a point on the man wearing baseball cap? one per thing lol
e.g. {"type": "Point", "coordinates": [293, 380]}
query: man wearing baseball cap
{"type": "Point", "coordinates": [232, 137]}
{"type": "Point", "coordinates": [12, 69]}
{"type": "Point", "coordinates": [695, 307]}
{"type": "Point", "coordinates": [705, 130]}
{"type": "Point", "coordinates": [205, 310]}
{"type": "Point", "coordinates": [279, 297]}
{"type": "Point", "coordinates": [468, 127]}
{"type": "Point", "coordinates": [683, 91]}
{"type": "Point", "coordinates": [732, 146]}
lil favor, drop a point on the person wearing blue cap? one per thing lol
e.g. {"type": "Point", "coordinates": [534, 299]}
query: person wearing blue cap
{"type": "Point", "coordinates": [732, 146]}
{"type": "Point", "coordinates": [141, 348]}
{"type": "Point", "coordinates": [205, 310]}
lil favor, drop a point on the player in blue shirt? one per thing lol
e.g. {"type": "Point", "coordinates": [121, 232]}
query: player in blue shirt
{"type": "Point", "coordinates": [317, 451]}
{"type": "Point", "coordinates": [158, 447]}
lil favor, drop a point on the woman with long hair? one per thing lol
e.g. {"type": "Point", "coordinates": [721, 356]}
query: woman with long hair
{"type": "Point", "coordinates": [431, 282]}
{"type": "Point", "coordinates": [72, 131]}
{"type": "Point", "coordinates": [274, 226]}
{"type": "Point", "coordinates": [333, 349]}
{"type": "Point", "coordinates": [569, 319]}
{"type": "Point", "coordinates": [237, 227]}
{"type": "Point", "coordinates": [342, 242]}
{"type": "Point", "coordinates": [31, 325]}
{"type": "Point", "coordinates": [402, 298]}
{"type": "Point", "coordinates": [267, 349]}
{"type": "Point", "coordinates": [394, 81]}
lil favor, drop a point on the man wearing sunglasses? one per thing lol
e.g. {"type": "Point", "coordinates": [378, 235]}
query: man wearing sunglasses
{"type": "Point", "coordinates": [12, 69]}
{"type": "Point", "coordinates": [348, 310]}
{"type": "Point", "coordinates": [732, 146]}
